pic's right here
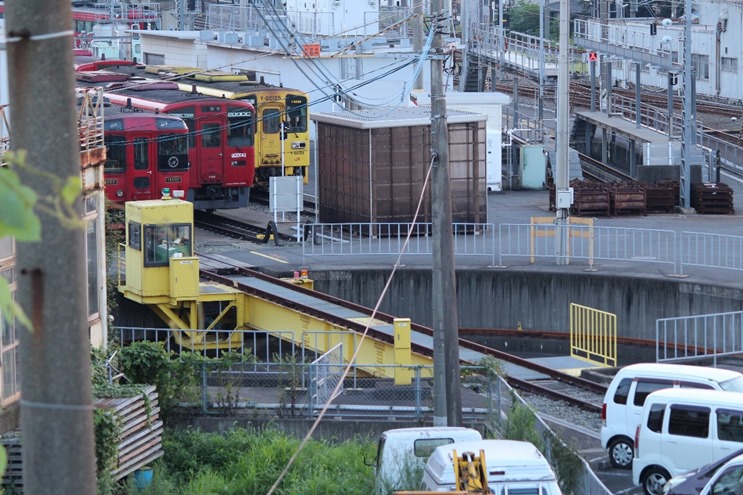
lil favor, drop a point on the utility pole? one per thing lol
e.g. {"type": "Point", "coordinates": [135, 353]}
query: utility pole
{"type": "Point", "coordinates": [540, 103]}
{"type": "Point", "coordinates": [688, 113]}
{"type": "Point", "coordinates": [56, 398]}
{"type": "Point", "coordinates": [562, 174]}
{"type": "Point", "coordinates": [417, 37]}
{"type": "Point", "coordinates": [447, 406]}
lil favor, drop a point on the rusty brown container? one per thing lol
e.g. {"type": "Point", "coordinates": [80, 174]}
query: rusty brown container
{"type": "Point", "coordinates": [372, 165]}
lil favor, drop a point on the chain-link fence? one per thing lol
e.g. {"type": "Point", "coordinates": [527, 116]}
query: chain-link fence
{"type": "Point", "coordinates": [486, 398]}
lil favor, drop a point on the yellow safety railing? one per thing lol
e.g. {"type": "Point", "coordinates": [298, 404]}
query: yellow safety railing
{"type": "Point", "coordinates": [593, 335]}
{"type": "Point", "coordinates": [536, 232]}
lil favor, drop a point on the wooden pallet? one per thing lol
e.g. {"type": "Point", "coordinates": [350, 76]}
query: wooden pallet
{"type": "Point", "coordinates": [140, 443]}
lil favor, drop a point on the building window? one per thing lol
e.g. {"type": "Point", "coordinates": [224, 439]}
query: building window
{"type": "Point", "coordinates": [729, 64]}
{"type": "Point", "coordinates": [154, 59]}
{"type": "Point", "coordinates": [8, 334]}
{"type": "Point", "coordinates": [700, 63]}
{"type": "Point", "coordinates": [91, 236]}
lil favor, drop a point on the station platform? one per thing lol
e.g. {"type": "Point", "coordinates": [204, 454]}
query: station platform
{"type": "Point", "coordinates": [623, 127]}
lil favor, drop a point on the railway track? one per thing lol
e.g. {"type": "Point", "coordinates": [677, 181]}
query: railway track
{"type": "Point", "coordinates": [597, 170]}
{"type": "Point", "coordinates": [552, 383]}
{"type": "Point", "coordinates": [580, 97]}
{"type": "Point", "coordinates": [237, 229]}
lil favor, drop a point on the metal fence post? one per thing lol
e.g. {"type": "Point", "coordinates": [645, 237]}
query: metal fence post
{"type": "Point", "coordinates": [204, 394]}
{"type": "Point", "coordinates": [499, 400]}
{"type": "Point", "coordinates": [418, 394]}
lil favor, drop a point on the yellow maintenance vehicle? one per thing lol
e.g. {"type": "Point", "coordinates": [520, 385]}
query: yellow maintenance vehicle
{"type": "Point", "coordinates": [160, 269]}
{"type": "Point", "coordinates": [470, 476]}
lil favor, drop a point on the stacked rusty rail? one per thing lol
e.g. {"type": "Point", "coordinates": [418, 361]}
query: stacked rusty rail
{"type": "Point", "coordinates": [627, 198]}
{"type": "Point", "coordinates": [630, 197]}
{"type": "Point", "coordinates": [662, 196]}
{"type": "Point", "coordinates": [712, 197]}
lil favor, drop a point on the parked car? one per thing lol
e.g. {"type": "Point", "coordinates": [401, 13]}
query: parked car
{"type": "Point", "coordinates": [728, 479]}
{"type": "Point", "coordinates": [683, 429]}
{"type": "Point", "coordinates": [632, 384]}
{"type": "Point", "coordinates": [693, 482]}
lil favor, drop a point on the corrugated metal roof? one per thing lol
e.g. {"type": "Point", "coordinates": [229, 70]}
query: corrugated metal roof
{"type": "Point", "coordinates": [393, 117]}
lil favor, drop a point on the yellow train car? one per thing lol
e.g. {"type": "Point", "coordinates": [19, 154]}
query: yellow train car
{"type": "Point", "coordinates": [282, 139]}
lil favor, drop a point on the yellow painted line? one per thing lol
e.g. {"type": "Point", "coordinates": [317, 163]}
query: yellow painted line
{"type": "Point", "coordinates": [269, 257]}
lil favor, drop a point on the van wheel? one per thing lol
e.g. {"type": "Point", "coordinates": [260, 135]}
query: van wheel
{"type": "Point", "coordinates": [653, 480]}
{"type": "Point", "coordinates": [621, 452]}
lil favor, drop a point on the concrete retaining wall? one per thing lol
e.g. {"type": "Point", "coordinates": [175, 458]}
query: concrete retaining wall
{"type": "Point", "coordinates": [538, 300]}
{"type": "Point", "coordinates": [330, 430]}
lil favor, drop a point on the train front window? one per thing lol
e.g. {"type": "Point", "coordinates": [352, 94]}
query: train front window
{"type": "Point", "coordinates": [211, 136]}
{"type": "Point", "coordinates": [172, 151]}
{"type": "Point", "coordinates": [188, 116]}
{"type": "Point", "coordinates": [271, 121]}
{"type": "Point", "coordinates": [296, 113]}
{"type": "Point", "coordinates": [141, 150]}
{"type": "Point", "coordinates": [115, 153]}
{"type": "Point", "coordinates": [240, 126]}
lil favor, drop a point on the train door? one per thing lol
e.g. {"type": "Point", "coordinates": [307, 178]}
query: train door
{"type": "Point", "coordinates": [114, 170]}
{"type": "Point", "coordinates": [240, 147]}
{"type": "Point", "coordinates": [270, 137]}
{"type": "Point", "coordinates": [211, 159]}
{"type": "Point", "coordinates": [140, 173]}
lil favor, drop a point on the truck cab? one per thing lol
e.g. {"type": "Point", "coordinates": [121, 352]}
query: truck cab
{"type": "Point", "coordinates": [402, 454]}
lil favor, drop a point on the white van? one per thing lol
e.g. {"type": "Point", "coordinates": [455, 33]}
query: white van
{"type": "Point", "coordinates": [683, 429]}
{"type": "Point", "coordinates": [513, 467]}
{"type": "Point", "coordinates": [631, 385]}
{"type": "Point", "coordinates": [402, 453]}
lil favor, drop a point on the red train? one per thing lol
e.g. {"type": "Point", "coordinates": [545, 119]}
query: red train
{"type": "Point", "coordinates": [145, 153]}
{"type": "Point", "coordinates": [221, 135]}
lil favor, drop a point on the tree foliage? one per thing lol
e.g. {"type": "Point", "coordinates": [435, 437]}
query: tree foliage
{"type": "Point", "coordinates": [524, 18]}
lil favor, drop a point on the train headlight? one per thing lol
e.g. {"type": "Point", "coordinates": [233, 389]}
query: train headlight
{"type": "Point", "coordinates": [179, 194]}
{"type": "Point", "coordinates": [120, 193]}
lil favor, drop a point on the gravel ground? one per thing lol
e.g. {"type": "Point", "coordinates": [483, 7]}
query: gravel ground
{"type": "Point", "coordinates": [564, 412]}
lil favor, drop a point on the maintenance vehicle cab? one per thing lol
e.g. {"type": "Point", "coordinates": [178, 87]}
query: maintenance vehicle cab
{"type": "Point", "coordinates": [402, 454]}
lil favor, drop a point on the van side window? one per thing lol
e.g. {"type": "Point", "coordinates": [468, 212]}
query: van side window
{"type": "Point", "coordinates": [655, 417]}
{"type": "Point", "coordinates": [730, 425]}
{"type": "Point", "coordinates": [689, 421]}
{"type": "Point", "coordinates": [425, 446]}
{"type": "Point", "coordinates": [647, 387]}
{"type": "Point", "coordinates": [620, 396]}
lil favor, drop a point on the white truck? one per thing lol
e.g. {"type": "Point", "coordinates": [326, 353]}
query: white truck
{"type": "Point", "coordinates": [511, 466]}
{"type": "Point", "coordinates": [402, 454]}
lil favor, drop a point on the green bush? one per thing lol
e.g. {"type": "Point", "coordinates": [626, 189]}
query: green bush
{"type": "Point", "coordinates": [248, 462]}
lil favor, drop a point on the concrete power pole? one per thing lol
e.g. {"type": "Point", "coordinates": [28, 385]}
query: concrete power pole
{"type": "Point", "coordinates": [447, 406]}
{"type": "Point", "coordinates": [56, 397]}
{"type": "Point", "coordinates": [689, 125]}
{"type": "Point", "coordinates": [562, 175]}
